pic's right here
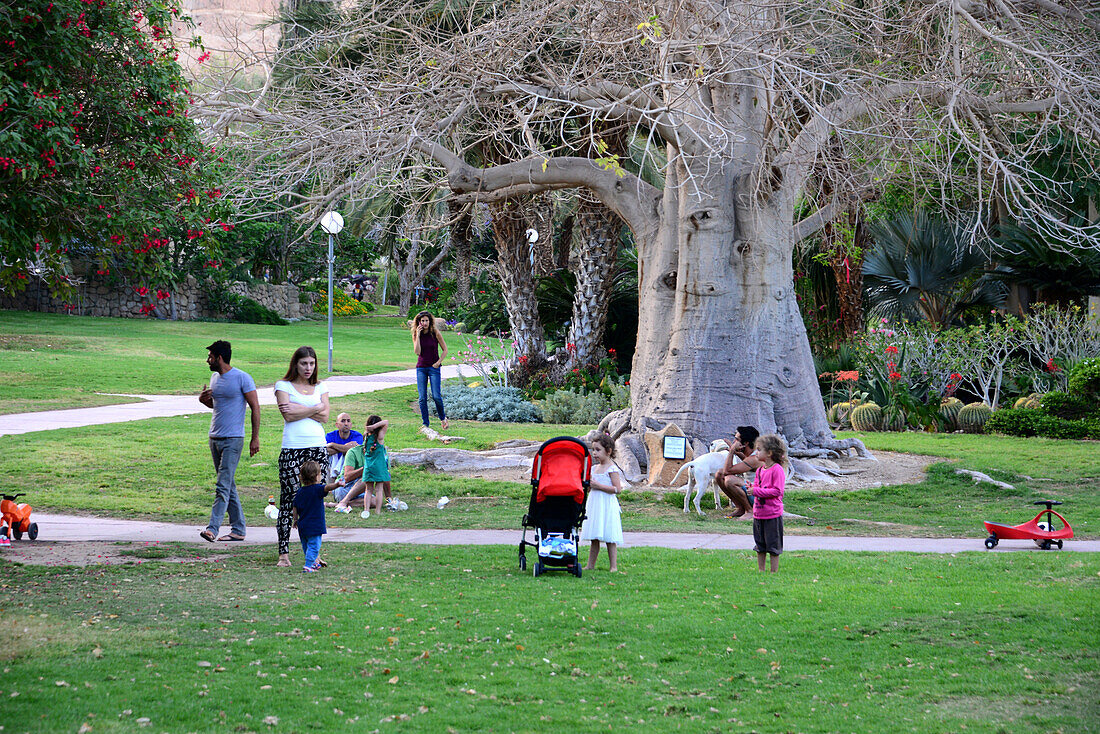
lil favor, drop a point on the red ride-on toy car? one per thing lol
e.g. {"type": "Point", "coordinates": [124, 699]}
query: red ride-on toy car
{"type": "Point", "coordinates": [16, 519]}
{"type": "Point", "coordinates": [1037, 529]}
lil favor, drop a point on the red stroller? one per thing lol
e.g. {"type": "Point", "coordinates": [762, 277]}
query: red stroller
{"type": "Point", "coordinates": [559, 487]}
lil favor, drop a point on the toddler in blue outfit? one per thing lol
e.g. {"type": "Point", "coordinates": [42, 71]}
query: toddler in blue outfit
{"type": "Point", "coordinates": [309, 513]}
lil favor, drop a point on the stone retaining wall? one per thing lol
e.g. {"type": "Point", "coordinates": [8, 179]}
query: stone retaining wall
{"type": "Point", "coordinates": [92, 299]}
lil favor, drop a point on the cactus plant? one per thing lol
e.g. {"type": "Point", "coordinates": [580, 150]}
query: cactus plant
{"type": "Point", "coordinates": [949, 409]}
{"type": "Point", "coordinates": [867, 417]}
{"type": "Point", "coordinates": [1027, 403]}
{"type": "Point", "coordinates": [894, 420]}
{"type": "Point", "coordinates": [839, 413]}
{"type": "Point", "coordinates": [972, 417]}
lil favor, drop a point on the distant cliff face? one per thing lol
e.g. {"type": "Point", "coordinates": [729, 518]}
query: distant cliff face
{"type": "Point", "coordinates": [230, 29]}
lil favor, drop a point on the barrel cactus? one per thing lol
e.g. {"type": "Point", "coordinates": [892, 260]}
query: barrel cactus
{"type": "Point", "coordinates": [949, 409]}
{"type": "Point", "coordinates": [839, 413]}
{"type": "Point", "coordinates": [894, 420]}
{"type": "Point", "coordinates": [867, 417]}
{"type": "Point", "coordinates": [972, 417]}
{"type": "Point", "coordinates": [1030, 402]}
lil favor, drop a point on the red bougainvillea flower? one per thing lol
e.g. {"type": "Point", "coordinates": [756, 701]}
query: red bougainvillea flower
{"type": "Point", "coordinates": [895, 376]}
{"type": "Point", "coordinates": [955, 377]}
{"type": "Point", "coordinates": [142, 291]}
{"type": "Point", "coordinates": [162, 294]}
{"type": "Point", "coordinates": [891, 350]}
{"type": "Point", "coordinates": [571, 347]}
{"type": "Point", "coordinates": [522, 359]}
{"type": "Point", "coordinates": [1051, 367]}
{"type": "Point", "coordinates": [612, 352]}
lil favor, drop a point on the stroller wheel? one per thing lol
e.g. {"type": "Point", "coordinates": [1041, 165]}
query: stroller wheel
{"type": "Point", "coordinates": [577, 569]}
{"type": "Point", "coordinates": [32, 532]}
{"type": "Point", "coordinates": [523, 563]}
{"type": "Point", "coordinates": [538, 568]}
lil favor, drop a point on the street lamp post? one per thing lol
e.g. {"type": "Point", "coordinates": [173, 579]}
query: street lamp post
{"type": "Point", "coordinates": [332, 223]}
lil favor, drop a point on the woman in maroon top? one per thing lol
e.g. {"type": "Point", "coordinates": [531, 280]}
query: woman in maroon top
{"type": "Point", "coordinates": [431, 350]}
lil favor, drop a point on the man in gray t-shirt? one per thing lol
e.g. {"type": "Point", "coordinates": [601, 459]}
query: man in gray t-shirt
{"type": "Point", "coordinates": [229, 391]}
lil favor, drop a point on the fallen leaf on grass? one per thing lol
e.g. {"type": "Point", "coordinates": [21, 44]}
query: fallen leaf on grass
{"type": "Point", "coordinates": [393, 680]}
{"type": "Point", "coordinates": [271, 720]}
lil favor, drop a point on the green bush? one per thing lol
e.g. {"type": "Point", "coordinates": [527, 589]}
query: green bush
{"type": "Point", "coordinates": [1025, 422]}
{"type": "Point", "coordinates": [1063, 405]}
{"type": "Point", "coordinates": [572, 406]}
{"type": "Point", "coordinates": [1084, 377]}
{"type": "Point", "coordinates": [486, 313]}
{"type": "Point", "coordinates": [249, 311]}
{"type": "Point", "coordinates": [492, 404]}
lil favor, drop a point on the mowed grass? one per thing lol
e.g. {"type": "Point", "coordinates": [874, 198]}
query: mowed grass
{"type": "Point", "coordinates": [161, 469]}
{"type": "Point", "coordinates": [52, 361]}
{"type": "Point", "coordinates": [456, 639]}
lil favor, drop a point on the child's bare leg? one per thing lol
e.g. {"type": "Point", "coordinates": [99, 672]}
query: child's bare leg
{"type": "Point", "coordinates": [386, 489]}
{"type": "Point", "coordinates": [774, 564]}
{"type": "Point", "coordinates": [613, 556]}
{"type": "Point", "coordinates": [593, 554]}
{"type": "Point", "coordinates": [378, 492]}
{"type": "Point", "coordinates": [760, 560]}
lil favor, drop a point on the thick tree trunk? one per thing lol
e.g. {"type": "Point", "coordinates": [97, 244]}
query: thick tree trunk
{"type": "Point", "coordinates": [510, 224]}
{"type": "Point", "coordinates": [721, 342]}
{"type": "Point", "coordinates": [541, 219]}
{"type": "Point", "coordinates": [461, 231]}
{"type": "Point", "coordinates": [595, 243]}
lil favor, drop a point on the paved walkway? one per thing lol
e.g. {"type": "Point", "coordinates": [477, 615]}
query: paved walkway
{"type": "Point", "coordinates": [162, 406]}
{"type": "Point", "coordinates": [67, 528]}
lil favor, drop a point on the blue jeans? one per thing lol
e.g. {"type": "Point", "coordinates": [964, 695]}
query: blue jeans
{"type": "Point", "coordinates": [423, 374]}
{"type": "Point", "coordinates": [311, 546]}
{"type": "Point", "coordinates": [226, 453]}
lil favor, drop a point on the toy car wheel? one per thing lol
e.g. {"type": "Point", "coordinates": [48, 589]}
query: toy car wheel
{"type": "Point", "coordinates": [16, 532]}
{"type": "Point", "coordinates": [1059, 544]}
{"type": "Point", "coordinates": [32, 531]}
{"type": "Point", "coordinates": [991, 542]}
{"type": "Point", "coordinates": [523, 563]}
{"type": "Point", "coordinates": [1045, 545]}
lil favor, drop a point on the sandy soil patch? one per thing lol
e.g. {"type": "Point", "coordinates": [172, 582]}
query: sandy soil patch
{"type": "Point", "coordinates": [69, 553]}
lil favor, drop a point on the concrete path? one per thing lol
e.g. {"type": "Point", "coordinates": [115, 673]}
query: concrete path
{"type": "Point", "coordinates": [67, 528]}
{"type": "Point", "coordinates": [162, 406]}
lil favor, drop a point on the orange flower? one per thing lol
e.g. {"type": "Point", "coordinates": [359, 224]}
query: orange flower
{"type": "Point", "coordinates": [847, 376]}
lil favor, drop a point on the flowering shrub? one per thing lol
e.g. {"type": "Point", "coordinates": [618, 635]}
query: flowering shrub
{"type": "Point", "coordinates": [95, 110]}
{"type": "Point", "coordinates": [342, 304]}
{"type": "Point", "coordinates": [486, 313]}
{"type": "Point", "coordinates": [489, 357]}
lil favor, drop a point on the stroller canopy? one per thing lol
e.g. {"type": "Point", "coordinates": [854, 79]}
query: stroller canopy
{"type": "Point", "coordinates": [561, 468]}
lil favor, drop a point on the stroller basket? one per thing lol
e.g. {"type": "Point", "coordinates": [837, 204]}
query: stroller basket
{"type": "Point", "coordinates": [560, 474]}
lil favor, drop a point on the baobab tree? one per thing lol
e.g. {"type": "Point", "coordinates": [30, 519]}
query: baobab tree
{"type": "Point", "coordinates": [743, 102]}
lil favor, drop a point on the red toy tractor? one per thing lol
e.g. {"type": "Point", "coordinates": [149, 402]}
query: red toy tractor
{"type": "Point", "coordinates": [16, 519]}
{"type": "Point", "coordinates": [1041, 531]}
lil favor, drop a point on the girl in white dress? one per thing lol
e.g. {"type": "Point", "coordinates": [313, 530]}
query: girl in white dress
{"type": "Point", "coordinates": [602, 521]}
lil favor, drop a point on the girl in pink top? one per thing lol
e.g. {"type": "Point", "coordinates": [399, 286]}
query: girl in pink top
{"type": "Point", "coordinates": [767, 492]}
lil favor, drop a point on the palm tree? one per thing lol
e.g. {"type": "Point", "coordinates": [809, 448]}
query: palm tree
{"type": "Point", "coordinates": [1057, 276]}
{"type": "Point", "coordinates": [923, 268]}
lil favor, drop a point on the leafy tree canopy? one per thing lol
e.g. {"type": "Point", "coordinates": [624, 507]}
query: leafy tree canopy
{"type": "Point", "coordinates": [97, 154]}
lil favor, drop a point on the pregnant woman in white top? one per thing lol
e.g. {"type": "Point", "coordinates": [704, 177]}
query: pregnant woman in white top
{"type": "Point", "coordinates": [303, 402]}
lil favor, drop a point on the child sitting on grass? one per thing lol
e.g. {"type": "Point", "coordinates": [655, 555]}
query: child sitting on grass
{"type": "Point", "coordinates": [309, 513]}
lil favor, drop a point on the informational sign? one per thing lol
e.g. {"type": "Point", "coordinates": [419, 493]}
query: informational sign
{"type": "Point", "coordinates": [674, 447]}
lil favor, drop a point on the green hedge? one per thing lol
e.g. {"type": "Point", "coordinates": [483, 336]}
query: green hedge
{"type": "Point", "coordinates": [1025, 422]}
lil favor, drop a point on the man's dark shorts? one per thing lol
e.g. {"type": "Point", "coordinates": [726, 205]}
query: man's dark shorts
{"type": "Point", "coordinates": [768, 535]}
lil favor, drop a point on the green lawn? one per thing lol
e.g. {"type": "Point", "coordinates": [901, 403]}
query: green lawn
{"type": "Point", "coordinates": [160, 469]}
{"type": "Point", "coordinates": [53, 361]}
{"type": "Point", "coordinates": [432, 639]}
